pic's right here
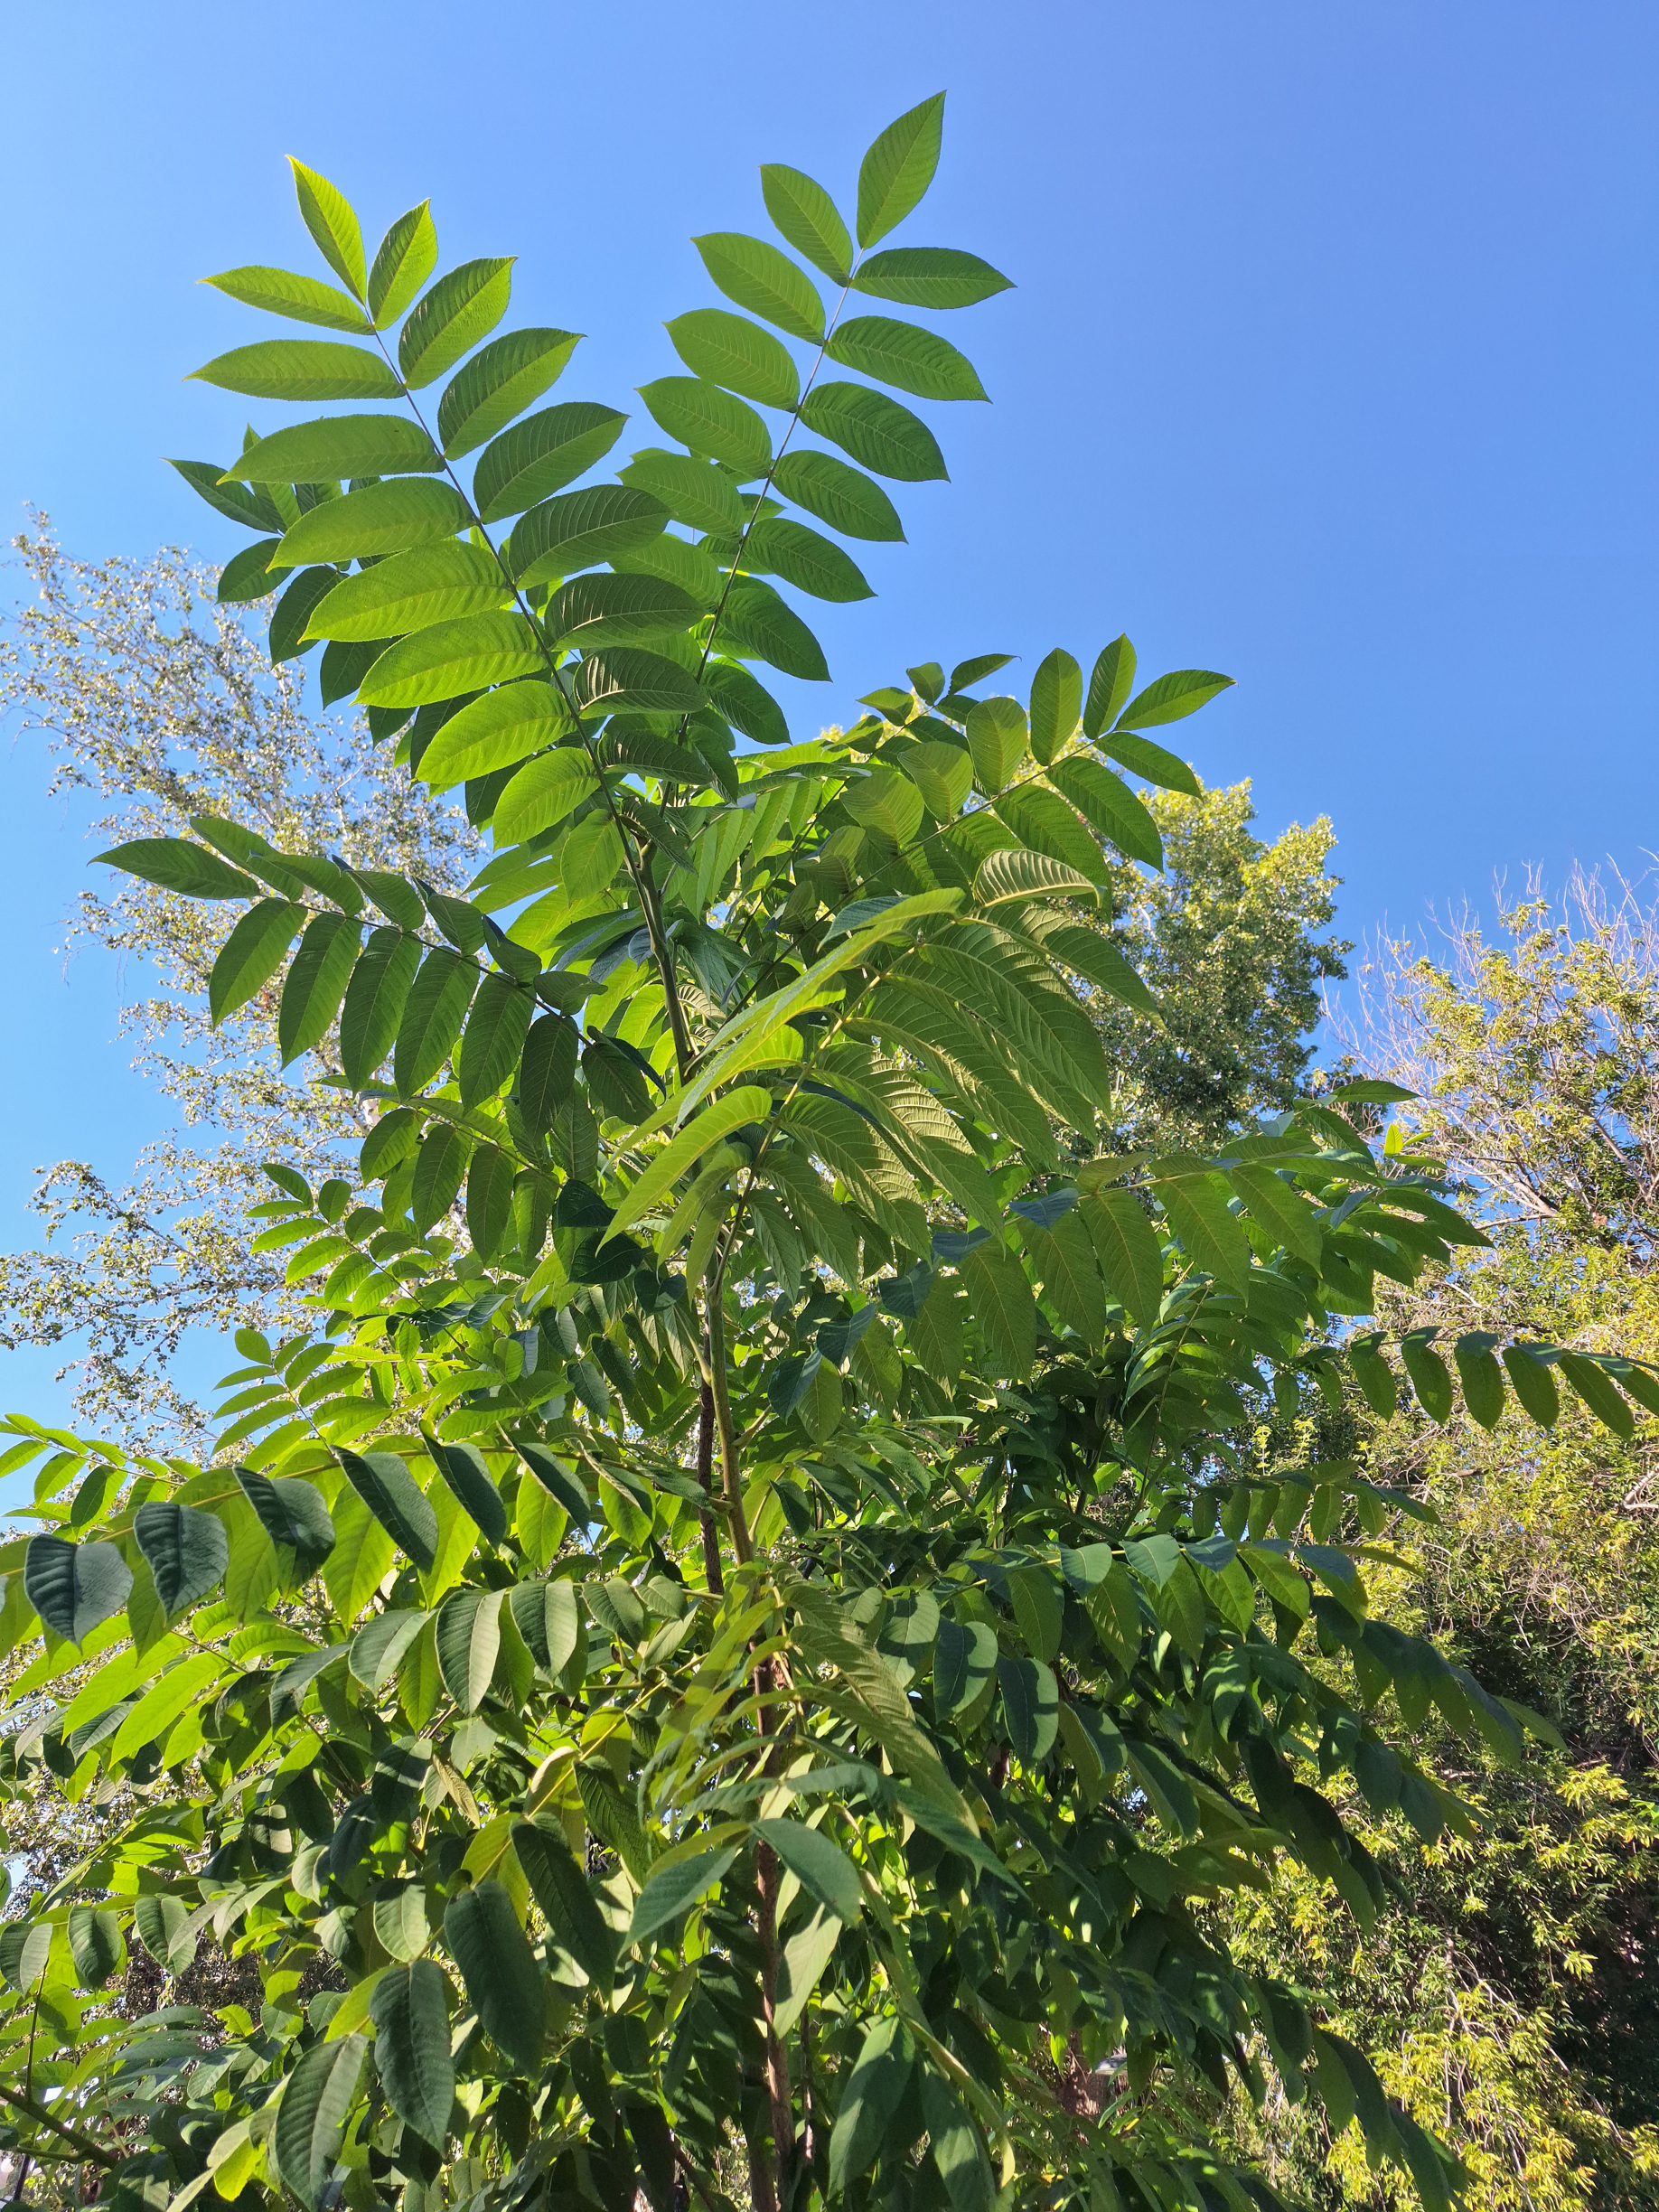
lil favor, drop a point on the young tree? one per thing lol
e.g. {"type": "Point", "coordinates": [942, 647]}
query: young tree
{"type": "Point", "coordinates": [749, 1679]}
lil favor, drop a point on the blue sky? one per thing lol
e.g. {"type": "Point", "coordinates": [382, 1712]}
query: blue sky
{"type": "Point", "coordinates": [1331, 365]}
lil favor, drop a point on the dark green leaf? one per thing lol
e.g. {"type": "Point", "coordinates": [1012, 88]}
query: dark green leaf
{"type": "Point", "coordinates": [74, 1587]}
{"type": "Point", "coordinates": [292, 1515]}
{"type": "Point", "coordinates": [807, 216]}
{"type": "Point", "coordinates": [251, 955]}
{"type": "Point", "coordinates": [957, 2153]}
{"type": "Point", "coordinates": [1128, 1251]}
{"type": "Point", "coordinates": [565, 1894]}
{"type": "Point", "coordinates": [1109, 686]}
{"type": "Point", "coordinates": [311, 2122]}
{"type": "Point", "coordinates": [245, 576]}
{"type": "Point", "coordinates": [374, 1002]}
{"type": "Point", "coordinates": [489, 1201]}
{"type": "Point", "coordinates": [439, 1166]}
{"type": "Point", "coordinates": [558, 1481]}
{"type": "Point", "coordinates": [674, 1890]}
{"type": "Point", "coordinates": [504, 1983]}
{"type": "Point", "coordinates": [466, 1471]}
{"type": "Point", "coordinates": [388, 1489]}
{"type": "Point", "coordinates": [541, 455]}
{"type": "Point", "coordinates": [820, 1866]}
{"type": "Point", "coordinates": [1481, 1379]}
{"type": "Point", "coordinates": [317, 983]}
{"type": "Point", "coordinates": [869, 2101]}
{"type": "Point", "coordinates": [1056, 704]}
{"type": "Point", "coordinates": [1144, 758]}
{"type": "Point", "coordinates": [404, 260]}
{"type": "Point", "coordinates": [547, 1069]}
{"type": "Point", "coordinates": [801, 557]}
{"type": "Point", "coordinates": [1598, 1391]}
{"type": "Point", "coordinates": [1031, 1707]}
{"type": "Point", "coordinates": [929, 276]}
{"type": "Point", "coordinates": [186, 1551]}
{"type": "Point", "coordinates": [1429, 1375]}
{"type": "Point", "coordinates": [291, 616]}
{"type": "Point", "coordinates": [581, 529]}
{"type": "Point", "coordinates": [468, 1642]}
{"type": "Point", "coordinates": [177, 865]}
{"type": "Point", "coordinates": [1109, 804]}
{"type": "Point", "coordinates": [617, 610]}
{"type": "Point", "coordinates": [335, 447]}
{"type": "Point", "coordinates": [696, 493]}
{"type": "Point", "coordinates": [842, 497]}
{"type": "Point", "coordinates": [495, 1033]}
{"type": "Point", "coordinates": [899, 354]}
{"type": "Point", "coordinates": [1535, 1385]}
{"type": "Point", "coordinates": [300, 369]}
{"type": "Point", "coordinates": [499, 383]}
{"type": "Point", "coordinates": [898, 169]}
{"type": "Point", "coordinates": [766, 282]}
{"type": "Point", "coordinates": [757, 620]}
{"type": "Point", "coordinates": [876, 430]}
{"type": "Point", "coordinates": [744, 703]}
{"type": "Point", "coordinates": [623, 677]}
{"type": "Point", "coordinates": [410, 2011]}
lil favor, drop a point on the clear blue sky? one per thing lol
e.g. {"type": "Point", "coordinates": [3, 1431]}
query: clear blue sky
{"type": "Point", "coordinates": [1331, 365]}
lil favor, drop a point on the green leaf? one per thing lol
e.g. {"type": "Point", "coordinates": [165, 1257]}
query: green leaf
{"type": "Point", "coordinates": [506, 725]}
{"type": "Point", "coordinates": [1109, 686]}
{"type": "Point", "coordinates": [943, 775]}
{"type": "Point", "coordinates": [468, 1642]}
{"type": "Point", "coordinates": [869, 2102]}
{"type": "Point", "coordinates": [581, 529]}
{"type": "Point", "coordinates": [452, 658]}
{"type": "Point", "coordinates": [1031, 1708]}
{"type": "Point", "coordinates": [1172, 696]}
{"type": "Point", "coordinates": [548, 1070]}
{"type": "Point", "coordinates": [162, 1925]}
{"type": "Point", "coordinates": [1374, 1376]}
{"type": "Point", "coordinates": [1004, 1308]}
{"type": "Point", "coordinates": [1596, 1387]}
{"type": "Point", "coordinates": [745, 703]}
{"type": "Point", "coordinates": [303, 299]}
{"type": "Point", "coordinates": [95, 1945]}
{"type": "Point", "coordinates": [177, 865]}
{"type": "Point", "coordinates": [757, 622]}
{"type": "Point", "coordinates": [617, 610]}
{"type": "Point", "coordinates": [766, 282]}
{"type": "Point", "coordinates": [812, 563]}
{"type": "Point", "coordinates": [541, 455]}
{"type": "Point", "coordinates": [439, 1168]}
{"type": "Point", "coordinates": [74, 1587]}
{"type": "Point", "coordinates": [186, 1551]}
{"type": "Point", "coordinates": [245, 576]}
{"type": "Point", "coordinates": [821, 1867]}
{"type": "Point", "coordinates": [1534, 1384]}
{"type": "Point", "coordinates": [1128, 1252]}
{"type": "Point", "coordinates": [898, 169]}
{"type": "Point", "coordinates": [900, 354]}
{"type": "Point", "coordinates": [1429, 1377]}
{"type": "Point", "coordinates": [503, 1982]}
{"type": "Point", "coordinates": [1108, 802]}
{"type": "Point", "coordinates": [374, 1002]}
{"type": "Point", "coordinates": [1196, 1207]}
{"type": "Point", "coordinates": [410, 2011]}
{"type": "Point", "coordinates": [1016, 873]}
{"type": "Point", "coordinates": [842, 497]}
{"type": "Point", "coordinates": [559, 1482]}
{"type": "Point", "coordinates": [541, 795]}
{"type": "Point", "coordinates": [711, 422]}
{"type": "Point", "coordinates": [1482, 1378]}
{"type": "Point", "coordinates": [501, 382]}
{"type": "Point", "coordinates": [404, 260]}
{"type": "Point", "coordinates": [888, 802]}
{"type": "Point", "coordinates": [332, 222]}
{"type": "Point", "coordinates": [465, 1470]}
{"type": "Point", "coordinates": [1280, 1208]}
{"type": "Point", "coordinates": [432, 1020]}
{"type": "Point", "coordinates": [494, 1037]}
{"type": "Point", "coordinates": [251, 955]}
{"type": "Point", "coordinates": [488, 1202]}
{"type": "Point", "coordinates": [335, 447]}
{"type": "Point", "coordinates": [293, 613]}
{"type": "Point", "coordinates": [749, 1102]}
{"type": "Point", "coordinates": [379, 519]}
{"type": "Point", "coordinates": [997, 740]}
{"type": "Point", "coordinates": [388, 1489]}
{"type": "Point", "coordinates": [729, 349]}
{"type": "Point", "coordinates": [565, 1894]}
{"type": "Point", "coordinates": [300, 369]}
{"type": "Point", "coordinates": [1056, 704]}
{"type": "Point", "coordinates": [410, 591]}
{"type": "Point", "coordinates": [253, 509]}
{"type": "Point", "coordinates": [955, 2141]}
{"type": "Point", "coordinates": [623, 677]}
{"type": "Point", "coordinates": [964, 1659]}
{"type": "Point", "coordinates": [1144, 758]}
{"type": "Point", "coordinates": [929, 276]}
{"type": "Point", "coordinates": [698, 493]}
{"type": "Point", "coordinates": [807, 217]}
{"type": "Point", "coordinates": [461, 308]}
{"type": "Point", "coordinates": [876, 430]}
{"type": "Point", "coordinates": [292, 1515]}
{"type": "Point", "coordinates": [317, 983]}
{"type": "Point", "coordinates": [673, 1889]}
{"type": "Point", "coordinates": [311, 2121]}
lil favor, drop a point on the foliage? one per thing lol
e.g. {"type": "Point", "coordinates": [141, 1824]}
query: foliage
{"type": "Point", "coordinates": [779, 1644]}
{"type": "Point", "coordinates": [162, 703]}
{"type": "Point", "coordinates": [1515, 1982]}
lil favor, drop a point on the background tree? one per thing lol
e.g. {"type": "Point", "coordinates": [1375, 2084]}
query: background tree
{"type": "Point", "coordinates": [1514, 1979]}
